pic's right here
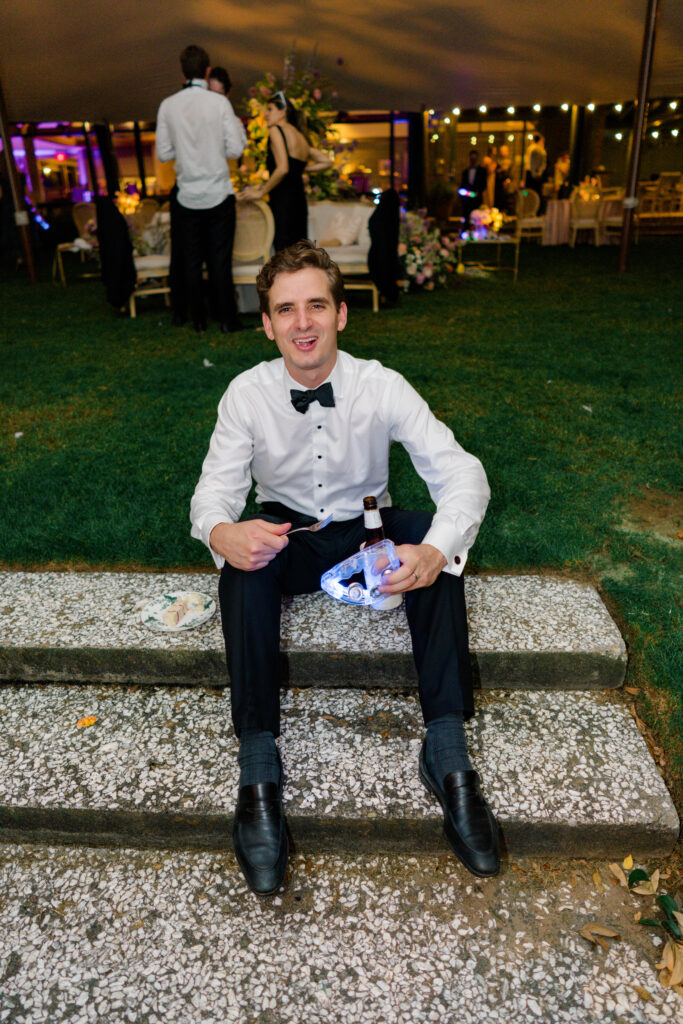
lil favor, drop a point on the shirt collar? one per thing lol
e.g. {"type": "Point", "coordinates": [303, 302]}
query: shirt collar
{"type": "Point", "coordinates": [336, 379]}
{"type": "Point", "coordinates": [201, 82]}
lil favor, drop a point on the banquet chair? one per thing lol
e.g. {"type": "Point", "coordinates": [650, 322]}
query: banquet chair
{"type": "Point", "coordinates": [85, 244]}
{"type": "Point", "coordinates": [152, 278]}
{"type": "Point", "coordinates": [254, 233]}
{"type": "Point", "coordinates": [667, 198]}
{"type": "Point", "coordinates": [152, 271]}
{"type": "Point", "coordinates": [611, 214]}
{"type": "Point", "coordinates": [584, 216]}
{"type": "Point", "coordinates": [147, 208]}
{"type": "Point", "coordinates": [529, 224]}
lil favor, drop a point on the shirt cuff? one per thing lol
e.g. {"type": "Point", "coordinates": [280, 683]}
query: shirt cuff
{"type": "Point", "coordinates": [451, 546]}
{"type": "Point", "coordinates": [202, 531]}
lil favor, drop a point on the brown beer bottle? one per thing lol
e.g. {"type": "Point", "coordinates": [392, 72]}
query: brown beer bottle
{"type": "Point", "coordinates": [374, 531]}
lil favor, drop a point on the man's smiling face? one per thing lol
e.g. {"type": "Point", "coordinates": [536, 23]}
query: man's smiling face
{"type": "Point", "coordinates": [304, 324]}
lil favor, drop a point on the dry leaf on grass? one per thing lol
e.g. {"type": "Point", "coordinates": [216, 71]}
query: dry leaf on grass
{"type": "Point", "coordinates": [597, 933]}
{"type": "Point", "coordinates": [83, 723]}
{"type": "Point", "coordinates": [618, 873]}
{"type": "Point", "coordinates": [632, 689]}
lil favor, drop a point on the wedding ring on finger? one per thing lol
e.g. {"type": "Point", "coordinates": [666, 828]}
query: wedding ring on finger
{"type": "Point", "coordinates": [417, 578]}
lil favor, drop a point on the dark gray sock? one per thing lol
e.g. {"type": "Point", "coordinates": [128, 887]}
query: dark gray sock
{"type": "Point", "coordinates": [258, 758]}
{"type": "Point", "coordinates": [446, 748]}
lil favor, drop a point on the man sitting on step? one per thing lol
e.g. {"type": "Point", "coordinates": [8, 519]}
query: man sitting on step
{"type": "Point", "coordinates": [318, 451]}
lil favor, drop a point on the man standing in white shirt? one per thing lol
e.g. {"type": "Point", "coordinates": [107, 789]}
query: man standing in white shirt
{"type": "Point", "coordinates": [318, 451]}
{"type": "Point", "coordinates": [199, 130]}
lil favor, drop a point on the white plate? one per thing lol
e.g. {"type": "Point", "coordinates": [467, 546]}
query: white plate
{"type": "Point", "coordinates": [151, 614]}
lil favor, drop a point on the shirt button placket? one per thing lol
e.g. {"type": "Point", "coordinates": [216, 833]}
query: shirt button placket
{"type": "Point", "coordinates": [318, 457]}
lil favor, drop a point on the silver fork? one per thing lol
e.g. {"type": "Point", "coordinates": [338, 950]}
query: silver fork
{"type": "Point", "coordinates": [314, 527]}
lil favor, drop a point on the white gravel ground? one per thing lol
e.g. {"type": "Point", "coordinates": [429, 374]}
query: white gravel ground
{"type": "Point", "coordinates": [169, 938]}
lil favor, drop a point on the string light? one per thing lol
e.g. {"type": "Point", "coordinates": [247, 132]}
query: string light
{"type": "Point", "coordinates": [431, 113]}
{"type": "Point", "coordinates": [511, 110]}
{"type": "Point", "coordinates": [655, 135]}
{"type": "Point", "coordinates": [537, 107]}
{"type": "Point", "coordinates": [492, 139]}
{"type": "Point", "coordinates": [618, 136]}
{"type": "Point", "coordinates": [591, 106]}
{"type": "Point", "coordinates": [565, 107]}
{"type": "Point", "coordinates": [529, 136]}
{"type": "Point", "coordinates": [473, 140]}
{"type": "Point", "coordinates": [483, 108]}
{"type": "Point", "coordinates": [674, 132]}
{"type": "Point", "coordinates": [618, 107]}
{"type": "Point", "coordinates": [456, 111]}
{"type": "Point", "coordinates": [511, 138]}
{"type": "Point", "coordinates": [446, 120]}
{"type": "Point", "coordinates": [673, 105]}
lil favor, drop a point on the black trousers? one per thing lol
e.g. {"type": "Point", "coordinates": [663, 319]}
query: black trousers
{"type": "Point", "coordinates": [250, 612]}
{"type": "Point", "coordinates": [207, 236]}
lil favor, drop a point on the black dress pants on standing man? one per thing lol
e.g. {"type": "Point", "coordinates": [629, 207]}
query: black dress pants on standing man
{"type": "Point", "coordinates": [250, 612]}
{"type": "Point", "coordinates": [208, 235]}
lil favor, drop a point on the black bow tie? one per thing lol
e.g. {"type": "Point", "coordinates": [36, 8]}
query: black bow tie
{"type": "Point", "coordinates": [302, 399]}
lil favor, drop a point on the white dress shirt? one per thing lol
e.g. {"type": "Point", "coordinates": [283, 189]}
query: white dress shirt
{"type": "Point", "coordinates": [329, 459]}
{"type": "Point", "coordinates": [199, 130]}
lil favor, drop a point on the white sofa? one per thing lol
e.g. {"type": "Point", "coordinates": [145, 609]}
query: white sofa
{"type": "Point", "coordinates": [343, 221]}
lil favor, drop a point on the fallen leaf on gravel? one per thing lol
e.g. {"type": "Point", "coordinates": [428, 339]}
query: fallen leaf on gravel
{"type": "Point", "coordinates": [628, 862]}
{"type": "Point", "coordinates": [637, 916]}
{"type": "Point", "coordinates": [596, 933]}
{"type": "Point", "coordinates": [618, 873]}
{"type": "Point", "coordinates": [642, 992]}
{"type": "Point", "coordinates": [632, 689]}
{"type": "Point", "coordinates": [648, 888]}
{"type": "Point", "coordinates": [83, 723]}
{"type": "Point", "coordinates": [597, 878]}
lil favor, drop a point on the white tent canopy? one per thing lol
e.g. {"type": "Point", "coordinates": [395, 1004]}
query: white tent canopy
{"type": "Point", "coordinates": [63, 60]}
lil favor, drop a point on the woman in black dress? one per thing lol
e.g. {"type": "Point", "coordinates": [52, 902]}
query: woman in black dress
{"type": "Point", "coordinates": [289, 155]}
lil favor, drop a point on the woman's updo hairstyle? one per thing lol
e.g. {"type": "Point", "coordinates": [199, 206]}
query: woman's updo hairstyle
{"type": "Point", "coordinates": [279, 100]}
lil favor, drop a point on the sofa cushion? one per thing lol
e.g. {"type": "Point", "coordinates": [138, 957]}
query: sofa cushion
{"type": "Point", "coordinates": [344, 229]}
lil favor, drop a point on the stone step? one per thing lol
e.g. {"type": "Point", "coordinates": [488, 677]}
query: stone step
{"type": "Point", "coordinates": [174, 936]}
{"type": "Point", "coordinates": [526, 632]}
{"type": "Point", "coordinates": [567, 774]}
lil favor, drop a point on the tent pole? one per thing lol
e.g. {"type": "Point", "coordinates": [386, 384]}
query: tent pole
{"type": "Point", "coordinates": [91, 162]}
{"type": "Point", "coordinates": [639, 119]}
{"type": "Point", "coordinates": [140, 158]}
{"type": "Point", "coordinates": [20, 211]}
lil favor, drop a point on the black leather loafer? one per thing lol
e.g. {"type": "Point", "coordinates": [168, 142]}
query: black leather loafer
{"type": "Point", "coordinates": [469, 825]}
{"type": "Point", "coordinates": [259, 837]}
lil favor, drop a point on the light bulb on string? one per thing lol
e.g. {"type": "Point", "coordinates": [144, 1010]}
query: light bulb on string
{"type": "Point", "coordinates": [618, 107]}
{"type": "Point", "coordinates": [565, 107]}
{"type": "Point", "coordinates": [674, 132]}
{"type": "Point", "coordinates": [456, 111]}
{"type": "Point", "coordinates": [673, 105]}
{"type": "Point", "coordinates": [483, 108]}
{"type": "Point", "coordinates": [511, 110]}
{"type": "Point", "coordinates": [537, 107]}
{"type": "Point", "coordinates": [591, 107]}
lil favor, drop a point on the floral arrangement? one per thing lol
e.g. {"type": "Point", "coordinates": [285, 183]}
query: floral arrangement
{"type": "Point", "coordinates": [427, 257]}
{"type": "Point", "coordinates": [488, 218]}
{"type": "Point", "coordinates": [313, 97]}
{"type": "Point", "coordinates": [147, 239]}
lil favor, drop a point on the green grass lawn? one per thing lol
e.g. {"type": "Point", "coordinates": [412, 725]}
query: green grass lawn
{"type": "Point", "coordinates": [565, 385]}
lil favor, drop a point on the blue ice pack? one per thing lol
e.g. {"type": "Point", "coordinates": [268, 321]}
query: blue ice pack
{"type": "Point", "coordinates": [366, 562]}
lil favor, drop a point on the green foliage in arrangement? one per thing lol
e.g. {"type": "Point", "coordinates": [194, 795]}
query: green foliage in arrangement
{"type": "Point", "coordinates": [313, 97]}
{"type": "Point", "coordinates": [566, 385]}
